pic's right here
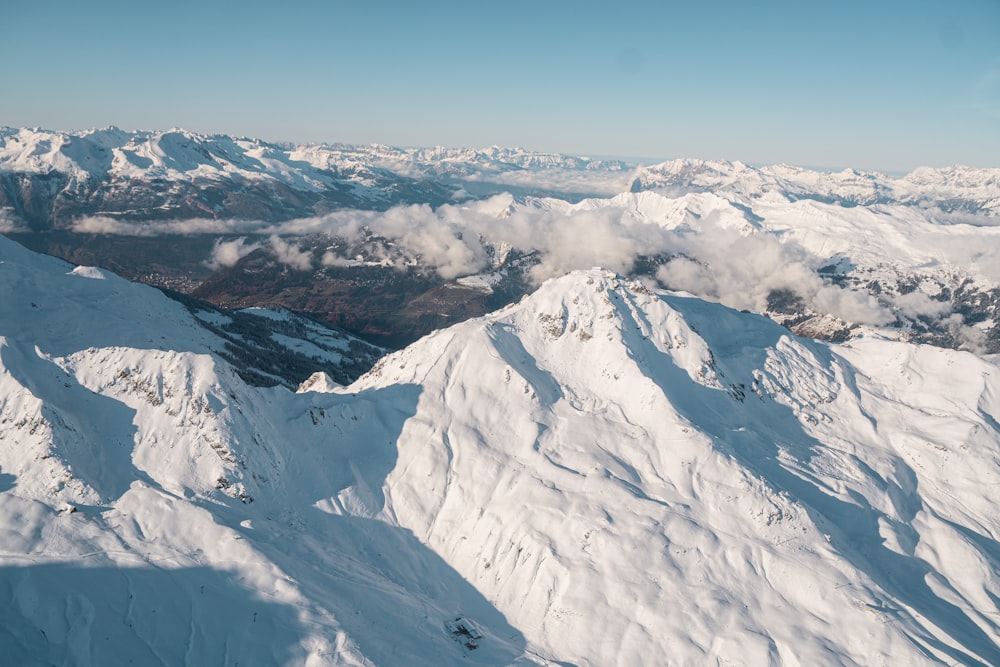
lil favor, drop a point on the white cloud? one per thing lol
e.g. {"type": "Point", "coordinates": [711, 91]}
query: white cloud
{"type": "Point", "coordinates": [290, 254]}
{"type": "Point", "coordinates": [723, 262]}
{"type": "Point", "coordinates": [228, 253]}
{"type": "Point", "coordinates": [112, 226]}
{"type": "Point", "coordinates": [8, 222]}
{"type": "Point", "coordinates": [742, 270]}
{"type": "Point", "coordinates": [104, 225]}
{"type": "Point", "coordinates": [917, 304]}
{"type": "Point", "coordinates": [722, 256]}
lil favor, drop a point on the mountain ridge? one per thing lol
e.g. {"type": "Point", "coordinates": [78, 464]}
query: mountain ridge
{"type": "Point", "coordinates": [62, 175]}
{"type": "Point", "coordinates": [755, 414]}
{"type": "Point", "coordinates": [956, 188]}
{"type": "Point", "coordinates": [50, 178]}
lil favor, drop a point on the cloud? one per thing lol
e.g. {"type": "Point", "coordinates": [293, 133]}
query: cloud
{"type": "Point", "coordinates": [444, 239]}
{"type": "Point", "coordinates": [105, 225]}
{"type": "Point", "coordinates": [290, 254]}
{"type": "Point", "coordinates": [979, 251]}
{"type": "Point", "coordinates": [441, 238]}
{"type": "Point", "coordinates": [331, 258]}
{"type": "Point", "coordinates": [848, 305]}
{"type": "Point", "coordinates": [741, 271]}
{"type": "Point", "coordinates": [577, 238]}
{"type": "Point", "coordinates": [969, 338]}
{"type": "Point", "coordinates": [8, 222]}
{"type": "Point", "coordinates": [918, 304]}
{"type": "Point", "coordinates": [720, 256]}
{"type": "Point", "coordinates": [228, 253]}
{"type": "Point", "coordinates": [112, 226]}
{"type": "Point", "coordinates": [718, 252]}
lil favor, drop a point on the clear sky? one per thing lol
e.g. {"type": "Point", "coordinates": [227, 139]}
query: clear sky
{"type": "Point", "coordinates": [879, 84]}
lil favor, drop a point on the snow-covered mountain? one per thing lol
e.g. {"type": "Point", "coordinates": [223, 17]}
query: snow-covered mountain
{"type": "Point", "coordinates": [821, 267]}
{"type": "Point", "coordinates": [52, 179]}
{"type": "Point", "coordinates": [600, 474]}
{"type": "Point", "coordinates": [951, 191]}
{"type": "Point", "coordinates": [708, 486]}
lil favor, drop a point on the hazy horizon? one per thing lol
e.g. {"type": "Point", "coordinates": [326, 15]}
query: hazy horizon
{"type": "Point", "coordinates": [888, 87]}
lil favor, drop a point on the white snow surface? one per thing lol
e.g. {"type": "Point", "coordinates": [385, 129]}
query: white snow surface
{"type": "Point", "coordinates": [599, 474]}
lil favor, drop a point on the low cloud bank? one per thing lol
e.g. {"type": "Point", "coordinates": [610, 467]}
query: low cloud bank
{"type": "Point", "coordinates": [227, 253]}
{"type": "Point", "coordinates": [8, 223]}
{"type": "Point", "coordinates": [742, 271]}
{"type": "Point", "coordinates": [101, 224]}
{"type": "Point", "coordinates": [714, 261]}
{"type": "Point", "coordinates": [716, 252]}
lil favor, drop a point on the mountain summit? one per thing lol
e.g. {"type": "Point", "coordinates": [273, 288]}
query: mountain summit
{"type": "Point", "coordinates": [707, 485]}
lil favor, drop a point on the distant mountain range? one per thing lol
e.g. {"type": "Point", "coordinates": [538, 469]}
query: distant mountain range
{"type": "Point", "coordinates": [49, 179]}
{"type": "Point", "coordinates": [392, 243]}
{"type": "Point", "coordinates": [948, 190]}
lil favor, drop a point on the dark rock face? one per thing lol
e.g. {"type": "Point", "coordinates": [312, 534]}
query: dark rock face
{"type": "Point", "coordinates": [33, 198]}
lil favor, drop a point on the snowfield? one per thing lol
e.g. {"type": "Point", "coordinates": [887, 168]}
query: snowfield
{"type": "Point", "coordinates": [600, 474]}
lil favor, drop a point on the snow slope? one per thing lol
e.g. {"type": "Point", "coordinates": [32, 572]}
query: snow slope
{"type": "Point", "coordinates": [599, 474]}
{"type": "Point", "coordinates": [156, 509]}
{"type": "Point", "coordinates": [637, 478]}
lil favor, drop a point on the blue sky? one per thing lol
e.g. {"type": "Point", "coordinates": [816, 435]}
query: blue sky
{"type": "Point", "coordinates": [883, 85]}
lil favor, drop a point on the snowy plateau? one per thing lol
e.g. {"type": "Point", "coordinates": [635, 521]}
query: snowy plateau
{"type": "Point", "coordinates": [767, 432]}
{"type": "Point", "coordinates": [599, 474]}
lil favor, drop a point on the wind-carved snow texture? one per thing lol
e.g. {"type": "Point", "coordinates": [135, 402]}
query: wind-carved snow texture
{"type": "Point", "coordinates": [600, 474]}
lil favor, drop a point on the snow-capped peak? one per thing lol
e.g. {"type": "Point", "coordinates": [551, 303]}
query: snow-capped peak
{"type": "Point", "coordinates": [597, 424]}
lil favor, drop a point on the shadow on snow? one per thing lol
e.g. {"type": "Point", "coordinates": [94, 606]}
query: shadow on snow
{"type": "Point", "coordinates": [755, 430]}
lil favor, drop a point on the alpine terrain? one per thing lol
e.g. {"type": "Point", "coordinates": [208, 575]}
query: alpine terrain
{"type": "Point", "coordinates": [390, 244]}
{"type": "Point", "coordinates": [601, 473]}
